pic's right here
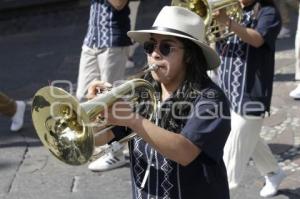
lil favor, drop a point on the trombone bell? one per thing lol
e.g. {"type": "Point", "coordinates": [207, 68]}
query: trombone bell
{"type": "Point", "coordinates": [62, 125]}
{"type": "Point", "coordinates": [65, 127]}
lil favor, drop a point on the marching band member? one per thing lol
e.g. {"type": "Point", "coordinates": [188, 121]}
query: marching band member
{"type": "Point", "coordinates": [179, 154]}
{"type": "Point", "coordinates": [246, 77]}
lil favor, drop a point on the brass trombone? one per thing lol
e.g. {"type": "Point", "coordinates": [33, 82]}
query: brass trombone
{"type": "Point", "coordinates": [64, 125]}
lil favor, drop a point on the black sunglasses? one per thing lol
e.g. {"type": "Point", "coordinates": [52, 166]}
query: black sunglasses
{"type": "Point", "coordinates": [164, 47]}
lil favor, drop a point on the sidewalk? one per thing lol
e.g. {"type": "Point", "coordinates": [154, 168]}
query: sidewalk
{"type": "Point", "coordinates": [39, 49]}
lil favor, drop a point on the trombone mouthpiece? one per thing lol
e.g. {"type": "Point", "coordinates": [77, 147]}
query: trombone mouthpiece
{"type": "Point", "coordinates": [152, 67]}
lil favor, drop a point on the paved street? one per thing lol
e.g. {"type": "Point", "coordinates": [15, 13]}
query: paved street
{"type": "Point", "coordinates": [38, 47]}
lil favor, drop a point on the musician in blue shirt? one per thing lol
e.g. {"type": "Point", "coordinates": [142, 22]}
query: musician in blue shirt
{"type": "Point", "coordinates": [246, 76]}
{"type": "Point", "coordinates": [178, 154]}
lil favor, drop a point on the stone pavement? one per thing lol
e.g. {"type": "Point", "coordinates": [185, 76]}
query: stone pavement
{"type": "Point", "coordinates": [38, 48]}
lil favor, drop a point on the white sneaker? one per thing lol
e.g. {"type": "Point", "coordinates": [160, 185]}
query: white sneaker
{"type": "Point", "coordinates": [18, 118]}
{"type": "Point", "coordinates": [284, 33]}
{"type": "Point", "coordinates": [272, 183]}
{"type": "Point", "coordinates": [113, 158]}
{"type": "Point", "coordinates": [295, 93]}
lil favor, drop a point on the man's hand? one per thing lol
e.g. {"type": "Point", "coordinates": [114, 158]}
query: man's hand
{"type": "Point", "coordinates": [97, 87]}
{"type": "Point", "coordinates": [222, 17]}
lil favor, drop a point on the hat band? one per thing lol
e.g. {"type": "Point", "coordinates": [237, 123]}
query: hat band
{"type": "Point", "coordinates": [172, 31]}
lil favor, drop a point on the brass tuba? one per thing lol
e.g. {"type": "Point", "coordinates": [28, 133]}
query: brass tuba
{"type": "Point", "coordinates": [205, 9]}
{"type": "Point", "coordinates": [65, 127]}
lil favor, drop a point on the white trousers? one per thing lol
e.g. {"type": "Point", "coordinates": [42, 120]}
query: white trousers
{"type": "Point", "coordinates": [106, 64]}
{"type": "Point", "coordinates": [244, 141]}
{"type": "Point", "coordinates": [297, 48]}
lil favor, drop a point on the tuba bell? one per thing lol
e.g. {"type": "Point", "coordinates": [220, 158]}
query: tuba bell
{"type": "Point", "coordinates": [206, 8]}
{"type": "Point", "coordinates": [65, 126]}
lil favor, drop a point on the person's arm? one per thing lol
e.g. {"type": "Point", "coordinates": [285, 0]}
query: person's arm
{"type": "Point", "coordinates": [118, 4]}
{"type": "Point", "coordinates": [204, 132]}
{"type": "Point", "coordinates": [248, 35]}
{"type": "Point", "coordinates": [172, 145]}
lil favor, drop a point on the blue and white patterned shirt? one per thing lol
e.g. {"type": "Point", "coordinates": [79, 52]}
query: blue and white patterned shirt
{"type": "Point", "coordinates": [207, 127]}
{"type": "Point", "coordinates": [107, 26]}
{"type": "Point", "coordinates": [246, 72]}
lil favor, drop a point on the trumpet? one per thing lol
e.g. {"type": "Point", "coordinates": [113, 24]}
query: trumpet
{"type": "Point", "coordinates": [65, 126]}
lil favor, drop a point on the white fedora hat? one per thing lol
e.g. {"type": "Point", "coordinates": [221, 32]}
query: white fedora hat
{"type": "Point", "coordinates": [179, 22]}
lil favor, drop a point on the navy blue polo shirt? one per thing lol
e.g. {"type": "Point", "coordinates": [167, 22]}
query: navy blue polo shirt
{"type": "Point", "coordinates": [107, 27]}
{"type": "Point", "coordinates": [246, 72]}
{"type": "Point", "coordinates": [208, 127]}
